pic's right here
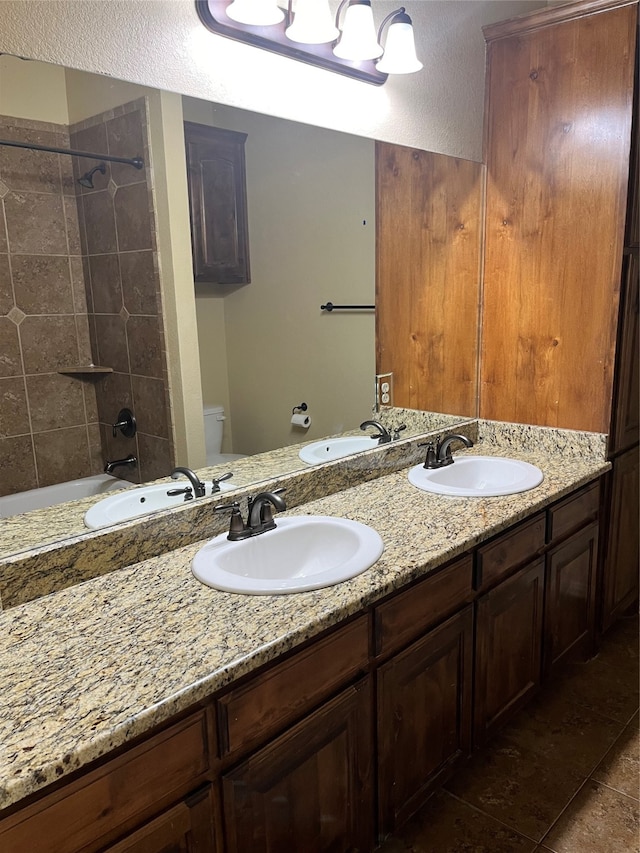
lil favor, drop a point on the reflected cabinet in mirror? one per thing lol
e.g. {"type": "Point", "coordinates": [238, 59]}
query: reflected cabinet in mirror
{"type": "Point", "coordinates": [99, 310]}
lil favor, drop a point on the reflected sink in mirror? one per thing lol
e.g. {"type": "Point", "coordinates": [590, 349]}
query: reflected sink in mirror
{"type": "Point", "coordinates": [336, 448]}
{"type": "Point", "coordinates": [134, 503]}
{"type": "Point", "coordinates": [477, 476]}
{"type": "Point", "coordinates": [302, 553]}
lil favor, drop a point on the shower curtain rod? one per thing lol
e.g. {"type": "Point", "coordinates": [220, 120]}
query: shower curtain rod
{"type": "Point", "coordinates": [136, 162]}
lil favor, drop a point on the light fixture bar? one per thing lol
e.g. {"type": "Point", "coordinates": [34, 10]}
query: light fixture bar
{"type": "Point", "coordinates": [213, 15]}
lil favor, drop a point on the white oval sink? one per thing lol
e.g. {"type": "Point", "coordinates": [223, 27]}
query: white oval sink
{"type": "Point", "coordinates": [335, 448]}
{"type": "Point", "coordinates": [302, 553]}
{"type": "Point", "coordinates": [478, 476]}
{"type": "Point", "coordinates": [134, 503]}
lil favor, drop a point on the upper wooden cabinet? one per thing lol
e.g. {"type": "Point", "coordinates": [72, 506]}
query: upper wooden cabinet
{"type": "Point", "coordinates": [428, 231]}
{"type": "Point", "coordinates": [557, 137]}
{"type": "Point", "coordinates": [218, 204]}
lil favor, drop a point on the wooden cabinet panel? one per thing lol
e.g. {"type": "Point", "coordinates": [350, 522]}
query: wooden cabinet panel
{"type": "Point", "coordinates": [267, 703]}
{"type": "Point", "coordinates": [310, 789]}
{"type": "Point", "coordinates": [574, 512]}
{"type": "Point", "coordinates": [428, 230]}
{"type": "Point", "coordinates": [626, 404]}
{"type": "Point", "coordinates": [85, 814]}
{"type": "Point", "coordinates": [186, 828]}
{"type": "Point", "coordinates": [570, 597]}
{"type": "Point", "coordinates": [620, 577]}
{"type": "Point", "coordinates": [424, 716]}
{"type": "Point", "coordinates": [508, 648]}
{"type": "Point", "coordinates": [508, 551]}
{"type": "Point", "coordinates": [217, 204]}
{"type": "Point", "coordinates": [408, 614]}
{"type": "Point", "coordinates": [555, 217]}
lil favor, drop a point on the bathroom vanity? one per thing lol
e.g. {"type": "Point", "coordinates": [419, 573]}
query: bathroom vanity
{"type": "Point", "coordinates": [147, 712]}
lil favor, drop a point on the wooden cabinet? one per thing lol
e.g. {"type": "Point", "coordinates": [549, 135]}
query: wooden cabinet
{"type": "Point", "coordinates": [625, 430]}
{"type": "Point", "coordinates": [311, 789]}
{"type": "Point", "coordinates": [424, 716]}
{"type": "Point", "coordinates": [508, 648]}
{"type": "Point", "coordinates": [559, 81]}
{"type": "Point", "coordinates": [186, 828]}
{"type": "Point", "coordinates": [218, 204]}
{"type": "Point", "coordinates": [620, 573]}
{"type": "Point", "coordinates": [110, 802]}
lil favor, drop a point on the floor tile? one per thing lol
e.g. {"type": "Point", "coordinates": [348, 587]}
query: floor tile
{"type": "Point", "coordinates": [620, 769]}
{"type": "Point", "coordinates": [621, 645]}
{"type": "Point", "coordinates": [610, 690]}
{"type": "Point", "coordinates": [599, 820]}
{"type": "Point", "coordinates": [561, 732]}
{"type": "Point", "coordinates": [446, 825]}
{"type": "Point", "coordinates": [511, 782]}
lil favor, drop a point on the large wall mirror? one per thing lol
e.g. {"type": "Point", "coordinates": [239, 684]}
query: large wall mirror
{"type": "Point", "coordinates": [262, 348]}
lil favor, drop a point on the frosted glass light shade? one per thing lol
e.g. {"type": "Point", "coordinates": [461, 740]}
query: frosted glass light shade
{"type": "Point", "coordinates": [258, 13]}
{"type": "Point", "coordinates": [399, 51]}
{"type": "Point", "coordinates": [359, 40]}
{"type": "Point", "coordinates": [312, 23]}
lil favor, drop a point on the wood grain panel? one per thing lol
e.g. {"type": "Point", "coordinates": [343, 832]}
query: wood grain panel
{"type": "Point", "coordinates": [557, 149]}
{"type": "Point", "coordinates": [428, 221]}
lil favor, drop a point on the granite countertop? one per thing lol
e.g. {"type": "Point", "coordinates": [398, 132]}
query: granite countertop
{"type": "Point", "coordinates": [90, 667]}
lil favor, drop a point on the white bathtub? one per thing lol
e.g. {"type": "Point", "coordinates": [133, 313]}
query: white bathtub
{"type": "Point", "coordinates": [59, 494]}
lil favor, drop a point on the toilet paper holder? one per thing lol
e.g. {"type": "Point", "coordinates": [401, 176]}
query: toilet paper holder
{"type": "Point", "coordinates": [301, 408]}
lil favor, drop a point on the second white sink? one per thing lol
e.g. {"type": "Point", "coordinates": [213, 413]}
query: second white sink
{"type": "Point", "coordinates": [477, 476]}
{"type": "Point", "coordinates": [335, 448]}
{"type": "Point", "coordinates": [302, 553]}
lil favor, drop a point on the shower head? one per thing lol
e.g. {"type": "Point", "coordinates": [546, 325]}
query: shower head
{"type": "Point", "coordinates": [87, 179]}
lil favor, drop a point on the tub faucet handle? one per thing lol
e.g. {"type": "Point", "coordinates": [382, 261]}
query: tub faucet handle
{"type": "Point", "coordinates": [126, 423]}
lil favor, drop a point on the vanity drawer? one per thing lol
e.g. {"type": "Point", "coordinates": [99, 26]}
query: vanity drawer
{"type": "Point", "coordinates": [574, 512]}
{"type": "Point", "coordinates": [104, 803]}
{"type": "Point", "coordinates": [250, 714]}
{"type": "Point", "coordinates": [510, 550]}
{"type": "Point", "coordinates": [408, 614]}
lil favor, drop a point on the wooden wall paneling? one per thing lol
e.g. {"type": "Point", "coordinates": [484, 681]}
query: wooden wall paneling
{"type": "Point", "coordinates": [557, 151]}
{"type": "Point", "coordinates": [428, 227]}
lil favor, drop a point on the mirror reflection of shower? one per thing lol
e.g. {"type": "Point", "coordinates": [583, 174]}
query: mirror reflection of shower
{"type": "Point", "coordinates": [87, 179]}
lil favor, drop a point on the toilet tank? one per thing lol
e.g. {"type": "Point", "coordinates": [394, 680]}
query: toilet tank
{"type": "Point", "coordinates": [213, 427]}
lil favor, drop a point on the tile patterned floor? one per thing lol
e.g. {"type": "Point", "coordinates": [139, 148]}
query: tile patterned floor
{"type": "Point", "coordinates": [564, 777]}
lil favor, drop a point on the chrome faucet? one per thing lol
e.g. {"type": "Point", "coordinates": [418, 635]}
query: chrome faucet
{"type": "Point", "coordinates": [383, 435]}
{"type": "Point", "coordinates": [259, 515]}
{"type": "Point", "coordinates": [439, 455]}
{"type": "Point", "coordinates": [130, 461]}
{"type": "Point", "coordinates": [196, 484]}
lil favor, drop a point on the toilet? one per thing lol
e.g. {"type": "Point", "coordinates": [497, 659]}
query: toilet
{"type": "Point", "coordinates": [213, 427]}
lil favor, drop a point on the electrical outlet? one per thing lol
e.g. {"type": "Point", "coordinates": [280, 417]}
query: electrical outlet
{"type": "Point", "coordinates": [384, 390]}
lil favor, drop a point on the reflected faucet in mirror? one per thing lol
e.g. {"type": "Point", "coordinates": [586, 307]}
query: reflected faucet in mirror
{"type": "Point", "coordinates": [129, 461]}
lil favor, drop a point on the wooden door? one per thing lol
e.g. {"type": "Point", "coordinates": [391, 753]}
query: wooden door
{"type": "Point", "coordinates": [428, 221]}
{"type": "Point", "coordinates": [620, 576]}
{"type": "Point", "coordinates": [310, 789]}
{"type": "Point", "coordinates": [186, 828]}
{"type": "Point", "coordinates": [558, 125]}
{"type": "Point", "coordinates": [424, 716]}
{"type": "Point", "coordinates": [570, 598]}
{"type": "Point", "coordinates": [508, 648]}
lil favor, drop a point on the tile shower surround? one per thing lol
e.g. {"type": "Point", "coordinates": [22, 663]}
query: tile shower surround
{"type": "Point", "coordinates": [78, 284]}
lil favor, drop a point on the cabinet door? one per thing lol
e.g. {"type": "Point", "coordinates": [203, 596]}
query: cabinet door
{"type": "Point", "coordinates": [186, 828]}
{"type": "Point", "coordinates": [218, 204]}
{"type": "Point", "coordinates": [626, 413]}
{"type": "Point", "coordinates": [620, 580]}
{"type": "Point", "coordinates": [570, 597]}
{"type": "Point", "coordinates": [424, 716]}
{"type": "Point", "coordinates": [508, 648]}
{"type": "Point", "coordinates": [310, 789]}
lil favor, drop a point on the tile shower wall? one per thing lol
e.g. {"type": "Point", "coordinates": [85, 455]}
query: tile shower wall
{"type": "Point", "coordinates": [118, 238]}
{"type": "Point", "coordinates": [78, 285]}
{"type": "Point", "coordinates": [48, 421]}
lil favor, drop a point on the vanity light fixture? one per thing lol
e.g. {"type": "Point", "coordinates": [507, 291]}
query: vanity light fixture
{"type": "Point", "coordinates": [305, 30]}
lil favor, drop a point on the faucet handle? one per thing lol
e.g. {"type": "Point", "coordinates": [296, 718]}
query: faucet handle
{"type": "Point", "coordinates": [215, 482]}
{"type": "Point", "coordinates": [126, 423]}
{"type": "Point", "coordinates": [431, 459]}
{"type": "Point", "coordinates": [397, 431]}
{"type": "Point", "coordinates": [237, 528]}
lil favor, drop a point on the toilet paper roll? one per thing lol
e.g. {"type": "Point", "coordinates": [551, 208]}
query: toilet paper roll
{"type": "Point", "coordinates": [303, 421]}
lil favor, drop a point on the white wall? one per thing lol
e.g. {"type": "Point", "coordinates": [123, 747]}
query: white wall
{"type": "Point", "coordinates": [162, 43]}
